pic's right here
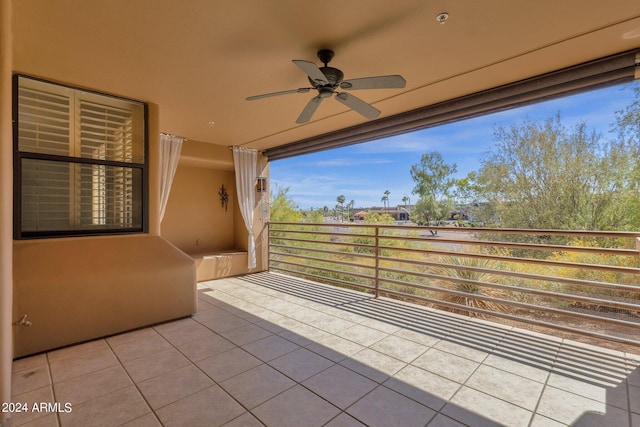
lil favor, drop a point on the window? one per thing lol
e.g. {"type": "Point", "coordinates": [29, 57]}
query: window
{"type": "Point", "coordinates": [80, 162]}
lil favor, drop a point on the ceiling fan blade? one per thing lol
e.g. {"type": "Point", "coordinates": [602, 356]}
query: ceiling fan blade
{"type": "Point", "coordinates": [284, 92]}
{"type": "Point", "coordinates": [358, 105]}
{"type": "Point", "coordinates": [380, 82]}
{"type": "Point", "coordinates": [309, 109]}
{"type": "Point", "coordinates": [312, 71]}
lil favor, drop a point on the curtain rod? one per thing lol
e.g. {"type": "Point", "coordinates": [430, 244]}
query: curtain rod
{"type": "Point", "coordinates": [173, 134]}
{"type": "Point", "coordinates": [240, 146]}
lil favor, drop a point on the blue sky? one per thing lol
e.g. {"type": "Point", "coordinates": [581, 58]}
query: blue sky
{"type": "Point", "coordinates": [364, 171]}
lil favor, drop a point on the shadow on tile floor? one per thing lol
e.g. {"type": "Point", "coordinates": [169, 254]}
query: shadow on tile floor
{"type": "Point", "coordinates": [269, 349]}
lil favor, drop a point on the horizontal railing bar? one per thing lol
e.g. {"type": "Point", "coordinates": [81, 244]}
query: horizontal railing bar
{"type": "Point", "coordinates": [557, 279]}
{"type": "Point", "coordinates": [331, 279]}
{"type": "Point", "coordinates": [323, 233]}
{"type": "Point", "coordinates": [512, 303]}
{"type": "Point", "coordinates": [480, 270]}
{"type": "Point", "coordinates": [593, 233]}
{"type": "Point", "coordinates": [529, 291]}
{"type": "Point", "coordinates": [328, 270]}
{"type": "Point", "coordinates": [533, 246]}
{"type": "Point", "coordinates": [352, 264]}
{"type": "Point", "coordinates": [555, 326]}
{"type": "Point", "coordinates": [619, 269]}
{"type": "Point", "coordinates": [569, 297]}
{"type": "Point", "coordinates": [289, 239]}
{"type": "Point", "coordinates": [612, 268]}
{"type": "Point", "coordinates": [474, 242]}
{"type": "Point", "coordinates": [626, 252]}
{"type": "Point", "coordinates": [326, 251]}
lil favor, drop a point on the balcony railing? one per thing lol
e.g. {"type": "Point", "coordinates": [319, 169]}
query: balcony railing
{"type": "Point", "coordinates": [585, 282]}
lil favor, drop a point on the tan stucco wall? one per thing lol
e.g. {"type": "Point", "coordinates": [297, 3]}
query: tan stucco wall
{"type": "Point", "coordinates": [195, 220]}
{"type": "Point", "coordinates": [77, 289]}
{"type": "Point", "coordinates": [6, 202]}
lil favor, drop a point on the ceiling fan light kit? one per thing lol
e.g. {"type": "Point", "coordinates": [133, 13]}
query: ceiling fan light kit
{"type": "Point", "coordinates": [326, 80]}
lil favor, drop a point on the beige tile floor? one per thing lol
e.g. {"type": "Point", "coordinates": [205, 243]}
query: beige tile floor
{"type": "Point", "coordinates": [269, 349]}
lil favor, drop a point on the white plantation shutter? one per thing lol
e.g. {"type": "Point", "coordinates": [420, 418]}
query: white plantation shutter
{"type": "Point", "coordinates": [46, 201]}
{"type": "Point", "coordinates": [45, 121]}
{"type": "Point", "coordinates": [81, 158]}
{"type": "Point", "coordinates": [107, 132]}
{"type": "Point", "coordinates": [108, 194]}
{"type": "Point", "coordinates": [44, 127]}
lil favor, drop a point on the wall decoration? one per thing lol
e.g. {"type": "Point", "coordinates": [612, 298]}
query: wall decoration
{"type": "Point", "coordinates": [224, 197]}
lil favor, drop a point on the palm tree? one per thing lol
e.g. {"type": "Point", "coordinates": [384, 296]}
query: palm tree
{"type": "Point", "coordinates": [340, 199]}
{"type": "Point", "coordinates": [406, 200]}
{"type": "Point", "coordinates": [385, 198]}
{"type": "Point", "coordinates": [350, 206]}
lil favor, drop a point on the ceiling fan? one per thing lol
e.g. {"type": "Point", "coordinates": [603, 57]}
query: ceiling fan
{"type": "Point", "coordinates": [327, 80]}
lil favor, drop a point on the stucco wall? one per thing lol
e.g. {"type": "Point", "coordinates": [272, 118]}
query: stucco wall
{"type": "Point", "coordinates": [195, 220]}
{"type": "Point", "coordinates": [6, 203]}
{"type": "Point", "coordinates": [77, 289]}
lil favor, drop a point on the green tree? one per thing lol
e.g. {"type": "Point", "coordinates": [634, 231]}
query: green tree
{"type": "Point", "coordinates": [376, 218]}
{"type": "Point", "coordinates": [314, 216]}
{"type": "Point", "coordinates": [434, 184]}
{"type": "Point", "coordinates": [427, 210]}
{"type": "Point", "coordinates": [284, 209]}
{"type": "Point", "coordinates": [466, 189]}
{"type": "Point", "coordinates": [628, 152]}
{"type": "Point", "coordinates": [543, 175]}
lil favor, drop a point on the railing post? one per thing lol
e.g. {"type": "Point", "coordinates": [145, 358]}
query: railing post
{"type": "Point", "coordinates": [377, 265]}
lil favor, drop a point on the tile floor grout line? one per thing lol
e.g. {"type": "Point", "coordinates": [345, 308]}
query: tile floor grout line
{"type": "Point", "coordinates": [247, 410]}
{"type": "Point", "coordinates": [631, 367]}
{"type": "Point", "coordinates": [381, 383]}
{"type": "Point", "coordinates": [212, 379]}
{"type": "Point", "coordinates": [144, 398]}
{"type": "Point", "coordinates": [53, 389]}
{"type": "Point", "coordinates": [378, 383]}
{"type": "Point", "coordinates": [480, 364]}
{"type": "Point", "coordinates": [546, 385]}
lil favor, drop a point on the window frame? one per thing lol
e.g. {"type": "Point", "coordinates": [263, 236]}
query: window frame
{"type": "Point", "coordinates": [19, 156]}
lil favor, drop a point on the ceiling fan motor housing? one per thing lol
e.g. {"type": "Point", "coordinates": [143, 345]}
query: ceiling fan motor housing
{"type": "Point", "coordinates": [333, 76]}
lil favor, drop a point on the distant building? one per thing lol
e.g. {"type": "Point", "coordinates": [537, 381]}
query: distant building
{"type": "Point", "coordinates": [398, 213]}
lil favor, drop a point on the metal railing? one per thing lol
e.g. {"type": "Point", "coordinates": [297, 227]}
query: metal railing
{"type": "Point", "coordinates": [585, 282]}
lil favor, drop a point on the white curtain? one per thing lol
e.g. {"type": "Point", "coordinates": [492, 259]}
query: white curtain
{"type": "Point", "coordinates": [170, 147]}
{"type": "Point", "coordinates": [245, 162]}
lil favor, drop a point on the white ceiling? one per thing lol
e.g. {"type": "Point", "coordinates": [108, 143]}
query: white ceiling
{"type": "Point", "coordinates": [197, 60]}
